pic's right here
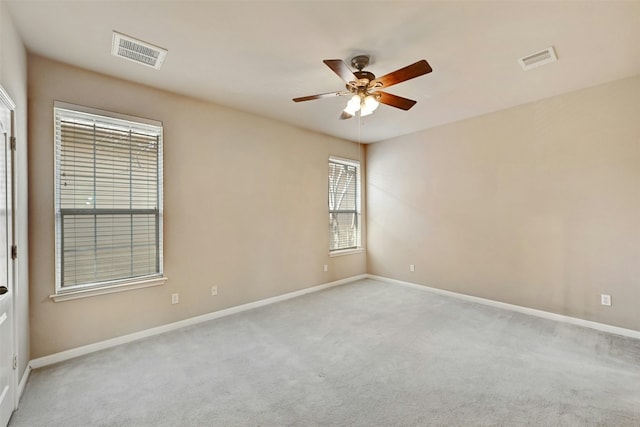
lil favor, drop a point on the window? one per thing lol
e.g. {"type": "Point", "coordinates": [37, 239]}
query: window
{"type": "Point", "coordinates": [108, 198]}
{"type": "Point", "coordinates": [344, 204]}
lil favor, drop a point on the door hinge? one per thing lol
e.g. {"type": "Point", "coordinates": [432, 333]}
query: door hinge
{"type": "Point", "coordinates": [12, 142]}
{"type": "Point", "coordinates": [15, 362]}
{"type": "Point", "coordinates": [14, 252]}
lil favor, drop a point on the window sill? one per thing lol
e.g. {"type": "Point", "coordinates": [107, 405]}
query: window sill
{"type": "Point", "coordinates": [86, 293]}
{"type": "Point", "coordinates": [346, 252]}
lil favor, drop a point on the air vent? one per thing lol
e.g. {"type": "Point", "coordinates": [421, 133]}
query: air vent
{"type": "Point", "coordinates": [537, 59]}
{"type": "Point", "coordinates": [137, 51]}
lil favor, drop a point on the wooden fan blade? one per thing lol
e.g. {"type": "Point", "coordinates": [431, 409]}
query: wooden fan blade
{"type": "Point", "coordinates": [341, 69]}
{"type": "Point", "coordinates": [403, 74]}
{"type": "Point", "coordinates": [396, 101]}
{"type": "Point", "coordinates": [319, 96]}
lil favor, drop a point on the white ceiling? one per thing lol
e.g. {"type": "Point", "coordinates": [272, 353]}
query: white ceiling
{"type": "Point", "coordinates": [258, 55]}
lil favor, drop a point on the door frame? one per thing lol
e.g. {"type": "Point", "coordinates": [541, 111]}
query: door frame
{"type": "Point", "coordinates": [7, 102]}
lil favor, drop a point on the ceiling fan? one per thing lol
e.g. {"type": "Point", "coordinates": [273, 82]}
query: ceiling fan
{"type": "Point", "coordinates": [365, 87]}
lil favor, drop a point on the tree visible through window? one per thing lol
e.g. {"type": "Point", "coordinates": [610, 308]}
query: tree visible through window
{"type": "Point", "coordinates": [108, 199]}
{"type": "Point", "coordinates": [344, 204]}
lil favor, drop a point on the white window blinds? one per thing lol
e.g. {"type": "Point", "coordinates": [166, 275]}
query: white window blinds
{"type": "Point", "coordinates": [108, 199]}
{"type": "Point", "coordinates": [344, 204]}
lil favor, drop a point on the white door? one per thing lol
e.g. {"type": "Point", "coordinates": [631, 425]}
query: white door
{"type": "Point", "coordinates": [7, 375]}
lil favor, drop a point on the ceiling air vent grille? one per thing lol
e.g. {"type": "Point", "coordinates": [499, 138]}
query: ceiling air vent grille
{"type": "Point", "coordinates": [537, 59]}
{"type": "Point", "coordinates": [137, 51]}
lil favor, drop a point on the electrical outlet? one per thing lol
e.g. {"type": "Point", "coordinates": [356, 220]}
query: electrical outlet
{"type": "Point", "coordinates": [326, 267]}
{"type": "Point", "coordinates": [412, 267]}
{"type": "Point", "coordinates": [175, 298]}
{"type": "Point", "coordinates": [214, 290]}
{"type": "Point", "coordinates": [605, 299]}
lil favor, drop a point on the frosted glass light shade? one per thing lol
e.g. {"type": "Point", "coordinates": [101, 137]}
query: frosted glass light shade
{"type": "Point", "coordinates": [353, 105]}
{"type": "Point", "coordinates": [369, 105]}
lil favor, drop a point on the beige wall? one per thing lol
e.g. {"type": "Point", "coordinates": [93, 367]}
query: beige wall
{"type": "Point", "coordinates": [13, 78]}
{"type": "Point", "coordinates": [244, 201]}
{"type": "Point", "coordinates": [537, 205]}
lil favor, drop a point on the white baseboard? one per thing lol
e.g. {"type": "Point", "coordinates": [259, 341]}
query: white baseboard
{"type": "Point", "coordinates": [23, 381]}
{"type": "Point", "coordinates": [520, 309]}
{"type": "Point", "coordinates": [91, 348]}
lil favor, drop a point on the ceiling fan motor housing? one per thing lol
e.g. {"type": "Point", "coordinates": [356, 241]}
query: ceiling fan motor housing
{"type": "Point", "coordinates": [361, 84]}
{"type": "Point", "coordinates": [364, 75]}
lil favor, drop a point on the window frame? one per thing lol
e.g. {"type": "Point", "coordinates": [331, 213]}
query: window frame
{"type": "Point", "coordinates": [357, 211]}
{"type": "Point", "coordinates": [119, 121]}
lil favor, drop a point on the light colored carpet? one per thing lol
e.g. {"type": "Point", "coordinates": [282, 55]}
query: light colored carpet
{"type": "Point", "coordinates": [362, 354]}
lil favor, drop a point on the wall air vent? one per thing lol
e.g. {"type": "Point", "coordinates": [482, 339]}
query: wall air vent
{"type": "Point", "coordinates": [137, 51]}
{"type": "Point", "coordinates": [537, 59]}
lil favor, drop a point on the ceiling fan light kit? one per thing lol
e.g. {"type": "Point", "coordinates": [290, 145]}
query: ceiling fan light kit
{"type": "Point", "coordinates": [365, 104]}
{"type": "Point", "coordinates": [365, 87]}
